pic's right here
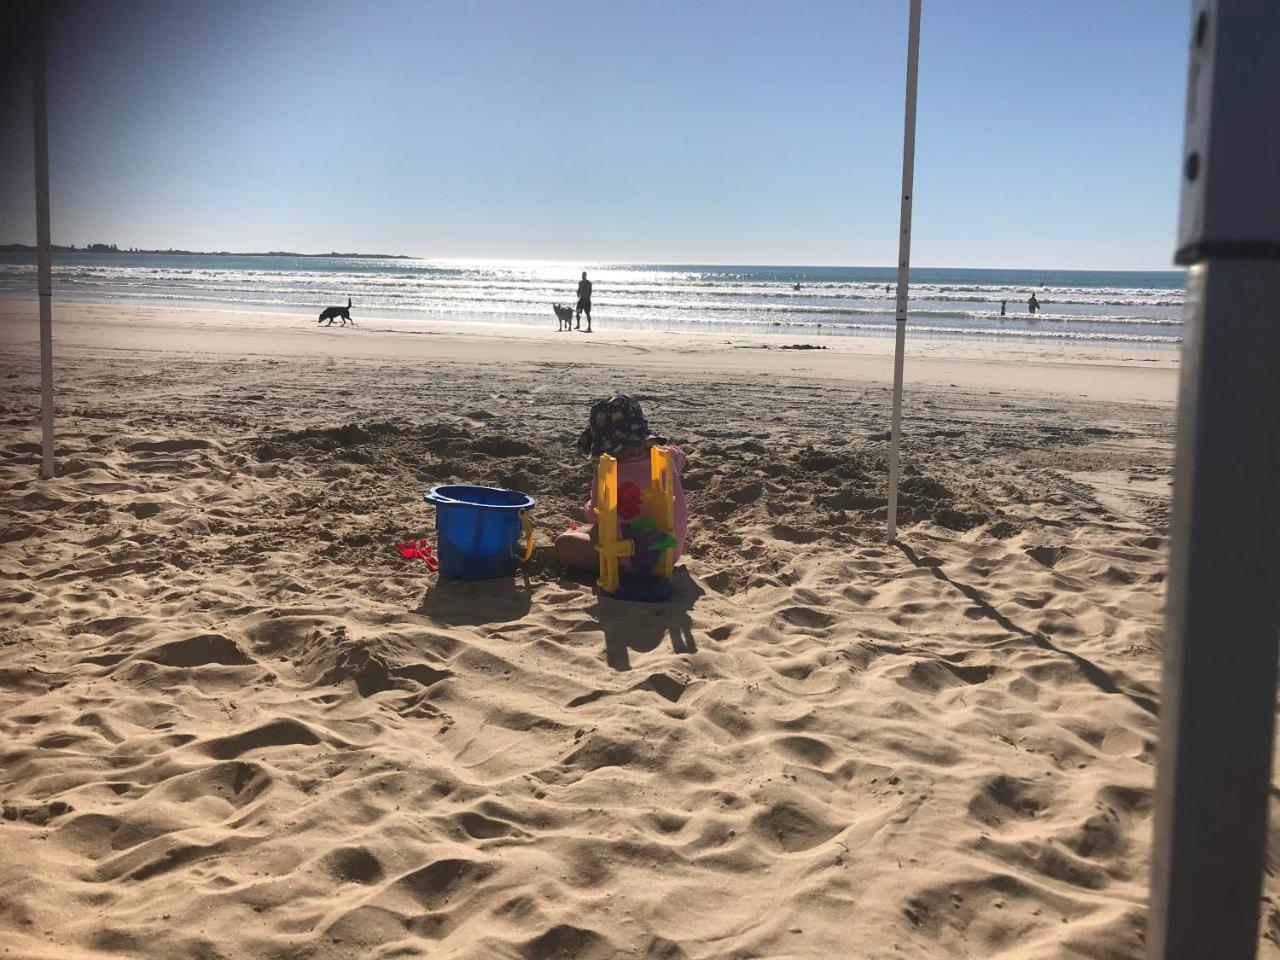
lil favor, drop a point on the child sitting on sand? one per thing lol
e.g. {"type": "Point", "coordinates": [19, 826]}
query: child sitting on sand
{"type": "Point", "coordinates": [618, 427]}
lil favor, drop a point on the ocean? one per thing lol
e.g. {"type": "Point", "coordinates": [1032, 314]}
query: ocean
{"type": "Point", "coordinates": [1076, 305]}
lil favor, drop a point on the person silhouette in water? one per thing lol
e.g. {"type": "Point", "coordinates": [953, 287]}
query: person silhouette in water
{"type": "Point", "coordinates": [584, 302]}
{"type": "Point", "coordinates": [1033, 305]}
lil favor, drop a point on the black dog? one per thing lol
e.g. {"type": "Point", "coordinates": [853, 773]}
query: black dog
{"type": "Point", "coordinates": [333, 313]}
{"type": "Point", "coordinates": [564, 317]}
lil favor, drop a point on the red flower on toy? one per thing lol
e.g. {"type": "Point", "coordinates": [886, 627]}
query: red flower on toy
{"type": "Point", "coordinates": [629, 500]}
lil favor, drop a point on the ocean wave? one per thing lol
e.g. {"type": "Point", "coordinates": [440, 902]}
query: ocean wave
{"type": "Point", "coordinates": [1104, 306]}
{"type": "Point", "coordinates": [305, 297]}
{"type": "Point", "coordinates": [701, 292]}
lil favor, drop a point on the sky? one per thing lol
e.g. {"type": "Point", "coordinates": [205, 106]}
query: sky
{"type": "Point", "coordinates": [743, 132]}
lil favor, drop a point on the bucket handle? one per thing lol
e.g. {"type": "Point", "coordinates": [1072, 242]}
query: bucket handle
{"type": "Point", "coordinates": [439, 498]}
{"type": "Point", "coordinates": [527, 525]}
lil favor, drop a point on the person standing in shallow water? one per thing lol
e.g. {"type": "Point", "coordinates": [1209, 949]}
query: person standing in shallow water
{"type": "Point", "coordinates": [1033, 305]}
{"type": "Point", "coordinates": [1002, 306]}
{"type": "Point", "coordinates": [584, 302]}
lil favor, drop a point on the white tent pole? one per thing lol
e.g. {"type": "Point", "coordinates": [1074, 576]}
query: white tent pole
{"type": "Point", "coordinates": [44, 273]}
{"type": "Point", "coordinates": [1222, 612]}
{"type": "Point", "coordinates": [904, 259]}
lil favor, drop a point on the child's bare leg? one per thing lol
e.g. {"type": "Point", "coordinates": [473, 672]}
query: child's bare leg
{"type": "Point", "coordinates": [575, 548]}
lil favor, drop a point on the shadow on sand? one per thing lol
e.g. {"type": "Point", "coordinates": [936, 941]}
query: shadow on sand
{"type": "Point", "coordinates": [628, 625]}
{"type": "Point", "coordinates": [1088, 669]}
{"type": "Point", "coordinates": [473, 603]}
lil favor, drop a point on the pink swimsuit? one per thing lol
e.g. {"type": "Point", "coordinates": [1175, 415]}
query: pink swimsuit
{"type": "Point", "coordinates": [636, 472]}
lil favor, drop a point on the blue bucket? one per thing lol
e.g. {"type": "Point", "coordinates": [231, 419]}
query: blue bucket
{"type": "Point", "coordinates": [481, 532]}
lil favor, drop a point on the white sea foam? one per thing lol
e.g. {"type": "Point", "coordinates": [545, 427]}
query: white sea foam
{"type": "Point", "coordinates": [1077, 306]}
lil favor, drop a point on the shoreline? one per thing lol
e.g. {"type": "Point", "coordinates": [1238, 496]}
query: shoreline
{"type": "Point", "coordinates": [922, 326]}
{"type": "Point", "coordinates": [1115, 372]}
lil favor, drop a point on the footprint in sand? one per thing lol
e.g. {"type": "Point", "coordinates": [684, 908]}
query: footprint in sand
{"type": "Point", "coordinates": [198, 651]}
{"type": "Point", "coordinates": [564, 941]}
{"type": "Point", "coordinates": [282, 732]}
{"type": "Point", "coordinates": [787, 827]}
{"type": "Point", "coordinates": [1004, 798]}
{"type": "Point", "coordinates": [353, 865]}
{"type": "Point", "coordinates": [806, 617]}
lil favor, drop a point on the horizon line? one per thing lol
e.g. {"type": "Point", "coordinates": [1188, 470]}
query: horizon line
{"type": "Point", "coordinates": [590, 263]}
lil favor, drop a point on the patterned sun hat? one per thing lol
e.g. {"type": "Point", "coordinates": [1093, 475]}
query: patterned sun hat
{"type": "Point", "coordinates": [616, 424]}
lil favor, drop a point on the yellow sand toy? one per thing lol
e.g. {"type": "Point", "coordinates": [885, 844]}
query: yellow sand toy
{"type": "Point", "coordinates": [647, 538]}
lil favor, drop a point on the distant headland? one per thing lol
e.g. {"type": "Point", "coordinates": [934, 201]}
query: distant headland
{"type": "Point", "coordinates": [112, 248]}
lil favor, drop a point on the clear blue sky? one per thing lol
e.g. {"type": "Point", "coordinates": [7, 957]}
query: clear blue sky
{"type": "Point", "coordinates": [736, 132]}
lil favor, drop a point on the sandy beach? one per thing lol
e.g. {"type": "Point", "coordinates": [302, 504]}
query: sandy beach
{"type": "Point", "coordinates": [235, 723]}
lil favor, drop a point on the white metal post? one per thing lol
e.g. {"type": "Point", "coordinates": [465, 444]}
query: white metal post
{"type": "Point", "coordinates": [43, 271]}
{"type": "Point", "coordinates": [1222, 636]}
{"type": "Point", "coordinates": [904, 260]}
